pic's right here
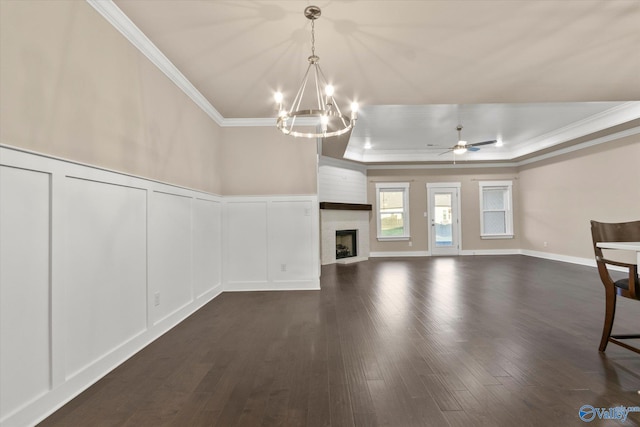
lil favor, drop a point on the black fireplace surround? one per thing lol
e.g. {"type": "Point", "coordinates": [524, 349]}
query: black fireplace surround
{"type": "Point", "coordinates": [346, 243]}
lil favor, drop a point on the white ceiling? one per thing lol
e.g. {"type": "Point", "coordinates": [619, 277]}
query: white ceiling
{"type": "Point", "coordinates": [423, 133]}
{"type": "Point", "coordinates": [528, 72]}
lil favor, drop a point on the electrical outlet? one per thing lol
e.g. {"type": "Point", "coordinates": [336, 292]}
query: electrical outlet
{"type": "Point", "coordinates": [544, 244]}
{"type": "Point", "coordinates": [283, 267]}
{"type": "Point", "coordinates": [156, 299]}
{"type": "Point", "coordinates": [410, 243]}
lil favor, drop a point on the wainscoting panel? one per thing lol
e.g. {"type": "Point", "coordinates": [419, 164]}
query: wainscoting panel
{"type": "Point", "coordinates": [105, 273]}
{"type": "Point", "coordinates": [169, 254]}
{"type": "Point", "coordinates": [96, 264]}
{"type": "Point", "coordinates": [207, 246]}
{"type": "Point", "coordinates": [25, 371]}
{"type": "Point", "coordinates": [272, 243]}
{"type": "Point", "coordinates": [246, 243]}
{"type": "Point", "coordinates": [83, 252]}
{"type": "Point", "coordinates": [291, 227]}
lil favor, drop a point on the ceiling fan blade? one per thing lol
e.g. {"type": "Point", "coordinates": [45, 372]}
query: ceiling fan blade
{"type": "Point", "coordinates": [445, 152]}
{"type": "Point", "coordinates": [472, 148]}
{"type": "Point", "coordinates": [478, 144]}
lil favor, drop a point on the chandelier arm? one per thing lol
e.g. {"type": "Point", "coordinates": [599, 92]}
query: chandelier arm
{"type": "Point", "coordinates": [322, 76]}
{"type": "Point", "coordinates": [335, 105]}
{"type": "Point", "coordinates": [340, 115]}
{"type": "Point", "coordinates": [323, 80]}
{"type": "Point", "coordinates": [344, 123]}
{"type": "Point", "coordinates": [293, 122]}
{"type": "Point", "coordinates": [319, 97]}
{"type": "Point", "coordinates": [296, 102]}
{"type": "Point", "coordinates": [295, 105]}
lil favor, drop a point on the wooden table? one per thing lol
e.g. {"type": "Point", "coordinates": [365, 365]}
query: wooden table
{"type": "Point", "coordinates": [626, 246]}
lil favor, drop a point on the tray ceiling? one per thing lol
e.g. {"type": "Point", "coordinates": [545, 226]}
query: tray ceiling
{"type": "Point", "coordinates": [515, 70]}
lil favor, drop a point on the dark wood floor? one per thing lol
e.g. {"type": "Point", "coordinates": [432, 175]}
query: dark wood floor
{"type": "Point", "coordinates": [459, 341]}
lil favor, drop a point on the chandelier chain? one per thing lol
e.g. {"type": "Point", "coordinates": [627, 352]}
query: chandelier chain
{"type": "Point", "coordinates": [313, 37]}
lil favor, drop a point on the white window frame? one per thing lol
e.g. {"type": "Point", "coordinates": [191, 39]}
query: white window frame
{"type": "Point", "coordinates": [507, 186]}
{"type": "Point", "coordinates": [398, 186]}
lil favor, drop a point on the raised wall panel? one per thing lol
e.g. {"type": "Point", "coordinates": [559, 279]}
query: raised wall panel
{"type": "Point", "coordinates": [291, 240]}
{"type": "Point", "coordinates": [207, 244]}
{"type": "Point", "coordinates": [25, 365]}
{"type": "Point", "coordinates": [246, 228]}
{"type": "Point", "coordinates": [82, 253]}
{"type": "Point", "coordinates": [169, 254]}
{"type": "Point", "coordinates": [105, 275]}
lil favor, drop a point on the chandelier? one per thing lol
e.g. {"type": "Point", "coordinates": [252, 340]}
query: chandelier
{"type": "Point", "coordinates": [324, 113]}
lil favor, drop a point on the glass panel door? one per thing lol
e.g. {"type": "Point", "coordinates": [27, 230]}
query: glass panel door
{"type": "Point", "coordinates": [443, 228]}
{"type": "Point", "coordinates": [444, 234]}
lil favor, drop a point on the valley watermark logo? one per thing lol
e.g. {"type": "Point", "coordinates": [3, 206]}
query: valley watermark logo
{"type": "Point", "coordinates": [588, 413]}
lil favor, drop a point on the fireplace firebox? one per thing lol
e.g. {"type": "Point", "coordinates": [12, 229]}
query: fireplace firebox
{"type": "Point", "coordinates": [346, 243]}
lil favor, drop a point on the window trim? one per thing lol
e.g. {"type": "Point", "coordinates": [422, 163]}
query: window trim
{"type": "Point", "coordinates": [504, 185]}
{"type": "Point", "coordinates": [401, 186]}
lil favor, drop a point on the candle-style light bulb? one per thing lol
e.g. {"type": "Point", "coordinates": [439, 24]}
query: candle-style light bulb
{"type": "Point", "coordinates": [329, 90]}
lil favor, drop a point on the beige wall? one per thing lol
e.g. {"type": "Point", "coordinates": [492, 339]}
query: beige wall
{"type": "Point", "coordinates": [259, 160]}
{"type": "Point", "coordinates": [553, 202]}
{"type": "Point", "coordinates": [470, 215]}
{"type": "Point", "coordinates": [560, 195]}
{"type": "Point", "coordinates": [73, 87]}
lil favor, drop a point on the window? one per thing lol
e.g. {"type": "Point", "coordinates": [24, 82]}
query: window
{"type": "Point", "coordinates": [496, 215]}
{"type": "Point", "coordinates": [392, 204]}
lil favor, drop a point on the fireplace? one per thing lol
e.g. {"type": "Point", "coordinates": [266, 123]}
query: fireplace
{"type": "Point", "coordinates": [338, 219]}
{"type": "Point", "coordinates": [346, 243]}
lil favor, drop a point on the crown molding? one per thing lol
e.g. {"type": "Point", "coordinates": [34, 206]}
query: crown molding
{"type": "Point", "coordinates": [121, 22]}
{"type": "Point", "coordinates": [388, 156]}
{"type": "Point", "coordinates": [249, 122]}
{"type": "Point", "coordinates": [620, 114]}
{"type": "Point", "coordinates": [463, 165]}
{"type": "Point", "coordinates": [136, 37]}
{"type": "Point", "coordinates": [340, 163]}
{"type": "Point", "coordinates": [581, 146]}
{"type": "Point", "coordinates": [612, 117]}
{"type": "Point", "coordinates": [459, 165]}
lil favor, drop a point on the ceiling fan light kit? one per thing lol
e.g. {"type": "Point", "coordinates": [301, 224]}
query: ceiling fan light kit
{"type": "Point", "coordinates": [462, 146]}
{"type": "Point", "coordinates": [325, 114]}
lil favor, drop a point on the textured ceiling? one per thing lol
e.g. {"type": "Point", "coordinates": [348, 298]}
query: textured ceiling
{"type": "Point", "coordinates": [417, 59]}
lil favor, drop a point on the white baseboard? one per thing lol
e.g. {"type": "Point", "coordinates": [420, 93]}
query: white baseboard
{"type": "Point", "coordinates": [293, 285]}
{"type": "Point", "coordinates": [536, 254]}
{"type": "Point", "coordinates": [558, 257]}
{"type": "Point", "coordinates": [351, 260]}
{"type": "Point", "coordinates": [428, 253]}
{"type": "Point", "coordinates": [491, 252]}
{"type": "Point", "coordinates": [399, 254]}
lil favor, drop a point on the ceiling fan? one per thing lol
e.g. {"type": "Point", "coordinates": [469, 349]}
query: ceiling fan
{"type": "Point", "coordinates": [462, 146]}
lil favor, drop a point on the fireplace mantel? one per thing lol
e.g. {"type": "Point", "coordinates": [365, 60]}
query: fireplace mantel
{"type": "Point", "coordinates": [345, 206]}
